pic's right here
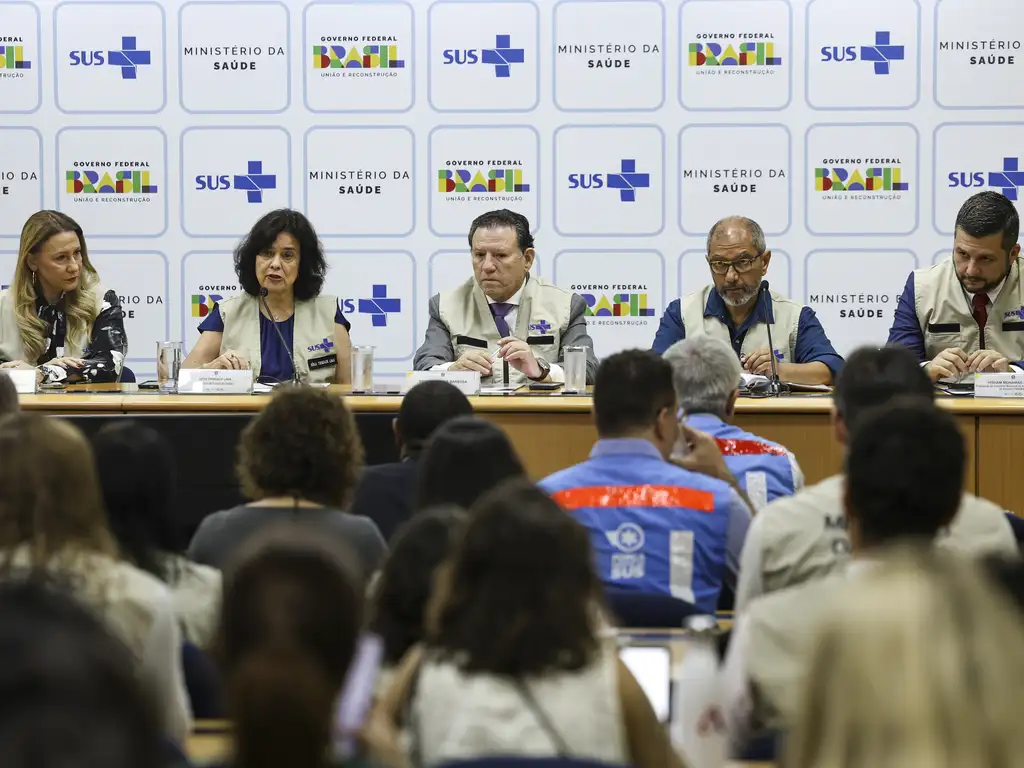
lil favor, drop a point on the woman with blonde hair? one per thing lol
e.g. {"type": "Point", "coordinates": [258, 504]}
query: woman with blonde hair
{"type": "Point", "coordinates": [52, 523]}
{"type": "Point", "coordinates": [55, 316]}
{"type": "Point", "coordinates": [920, 663]}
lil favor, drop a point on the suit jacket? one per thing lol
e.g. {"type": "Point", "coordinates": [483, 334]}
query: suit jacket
{"type": "Point", "coordinates": [544, 309]}
{"type": "Point", "coordinates": [385, 495]}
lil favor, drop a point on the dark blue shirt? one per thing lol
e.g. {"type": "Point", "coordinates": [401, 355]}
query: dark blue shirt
{"type": "Point", "coordinates": [906, 330]}
{"type": "Point", "coordinates": [812, 345]}
{"type": "Point", "coordinates": [276, 360]}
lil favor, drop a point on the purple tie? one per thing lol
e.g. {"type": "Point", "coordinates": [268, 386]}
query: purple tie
{"type": "Point", "coordinates": [500, 312]}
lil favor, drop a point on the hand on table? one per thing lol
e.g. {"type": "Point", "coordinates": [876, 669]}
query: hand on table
{"type": "Point", "coordinates": [759, 361]}
{"type": "Point", "coordinates": [987, 361]}
{"type": "Point", "coordinates": [473, 360]}
{"type": "Point", "coordinates": [229, 361]}
{"type": "Point", "coordinates": [949, 363]}
{"type": "Point", "coordinates": [67, 363]}
{"type": "Point", "coordinates": [519, 355]}
{"type": "Point", "coordinates": [17, 365]}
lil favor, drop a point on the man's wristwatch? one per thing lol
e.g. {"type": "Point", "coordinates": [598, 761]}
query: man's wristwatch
{"type": "Point", "coordinates": [545, 369]}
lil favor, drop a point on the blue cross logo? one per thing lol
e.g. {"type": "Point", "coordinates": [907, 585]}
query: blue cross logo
{"type": "Point", "coordinates": [627, 181]}
{"type": "Point", "coordinates": [1009, 178]}
{"type": "Point", "coordinates": [129, 58]}
{"type": "Point", "coordinates": [541, 326]}
{"type": "Point", "coordinates": [882, 52]}
{"type": "Point", "coordinates": [379, 306]}
{"type": "Point", "coordinates": [503, 55]}
{"type": "Point", "coordinates": [255, 181]}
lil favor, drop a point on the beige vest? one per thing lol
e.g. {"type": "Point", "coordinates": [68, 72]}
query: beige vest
{"type": "Point", "coordinates": [945, 315]}
{"type": "Point", "coordinates": [786, 314]}
{"type": "Point", "coordinates": [10, 335]}
{"type": "Point", "coordinates": [803, 537]}
{"type": "Point", "coordinates": [312, 341]}
{"type": "Point", "coordinates": [543, 311]}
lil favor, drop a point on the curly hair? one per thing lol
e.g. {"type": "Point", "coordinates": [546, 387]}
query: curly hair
{"type": "Point", "coordinates": [312, 263]}
{"type": "Point", "coordinates": [305, 445]}
{"type": "Point", "coordinates": [519, 595]}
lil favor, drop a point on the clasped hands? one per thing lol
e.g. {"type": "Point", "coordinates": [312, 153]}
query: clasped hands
{"type": "Point", "coordinates": [952, 362]}
{"type": "Point", "coordinates": [229, 361]}
{"type": "Point", "coordinates": [515, 352]}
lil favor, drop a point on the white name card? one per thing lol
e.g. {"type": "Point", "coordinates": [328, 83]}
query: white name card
{"type": "Point", "coordinates": [24, 380]}
{"type": "Point", "coordinates": [467, 382]}
{"type": "Point", "coordinates": [999, 385]}
{"type": "Point", "coordinates": [200, 381]}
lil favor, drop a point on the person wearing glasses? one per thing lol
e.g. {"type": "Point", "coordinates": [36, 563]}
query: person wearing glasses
{"type": "Point", "coordinates": [735, 309]}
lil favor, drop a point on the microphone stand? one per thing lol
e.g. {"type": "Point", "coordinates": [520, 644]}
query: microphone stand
{"type": "Point", "coordinates": [775, 385]}
{"type": "Point", "coordinates": [295, 381]}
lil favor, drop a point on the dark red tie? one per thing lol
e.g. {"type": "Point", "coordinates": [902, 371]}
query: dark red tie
{"type": "Point", "coordinates": [980, 304]}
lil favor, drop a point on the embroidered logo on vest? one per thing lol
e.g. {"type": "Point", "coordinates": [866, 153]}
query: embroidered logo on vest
{"type": "Point", "coordinates": [326, 345]}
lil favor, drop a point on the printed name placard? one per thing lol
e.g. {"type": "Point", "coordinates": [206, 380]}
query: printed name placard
{"type": "Point", "coordinates": [467, 382]}
{"type": "Point", "coordinates": [999, 385]}
{"type": "Point", "coordinates": [24, 380]}
{"type": "Point", "coordinates": [199, 381]}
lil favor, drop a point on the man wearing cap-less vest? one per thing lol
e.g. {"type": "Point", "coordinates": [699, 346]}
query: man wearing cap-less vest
{"type": "Point", "coordinates": [736, 309]}
{"type": "Point", "coordinates": [966, 313]}
{"type": "Point", "coordinates": [504, 315]}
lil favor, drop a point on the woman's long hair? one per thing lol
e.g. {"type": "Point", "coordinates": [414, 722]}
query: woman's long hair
{"type": "Point", "coordinates": [79, 305]}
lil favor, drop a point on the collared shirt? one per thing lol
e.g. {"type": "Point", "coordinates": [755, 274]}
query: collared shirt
{"type": "Point", "coordinates": [812, 345]}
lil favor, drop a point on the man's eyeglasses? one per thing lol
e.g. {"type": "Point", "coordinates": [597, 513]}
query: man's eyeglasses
{"type": "Point", "coordinates": [742, 266]}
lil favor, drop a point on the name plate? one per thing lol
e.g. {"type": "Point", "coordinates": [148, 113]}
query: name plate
{"type": "Point", "coordinates": [24, 380]}
{"type": "Point", "coordinates": [999, 385]}
{"type": "Point", "coordinates": [200, 381]}
{"type": "Point", "coordinates": [467, 382]}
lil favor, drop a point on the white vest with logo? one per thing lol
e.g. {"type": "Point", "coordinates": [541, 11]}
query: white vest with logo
{"type": "Point", "coordinates": [543, 311]}
{"type": "Point", "coordinates": [946, 317]}
{"type": "Point", "coordinates": [785, 312]}
{"type": "Point", "coordinates": [312, 339]}
{"type": "Point", "coordinates": [10, 335]}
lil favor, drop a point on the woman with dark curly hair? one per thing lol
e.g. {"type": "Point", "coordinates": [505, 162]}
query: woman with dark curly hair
{"type": "Point", "coordinates": [298, 460]}
{"type": "Point", "coordinates": [281, 267]}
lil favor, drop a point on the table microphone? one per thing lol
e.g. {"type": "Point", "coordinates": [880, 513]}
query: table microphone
{"type": "Point", "coordinates": [775, 385]}
{"type": "Point", "coordinates": [295, 381]}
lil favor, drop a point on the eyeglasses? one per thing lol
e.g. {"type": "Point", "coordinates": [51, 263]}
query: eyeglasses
{"type": "Point", "coordinates": [742, 266]}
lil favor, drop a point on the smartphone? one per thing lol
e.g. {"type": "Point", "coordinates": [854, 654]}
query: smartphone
{"type": "Point", "coordinates": [651, 665]}
{"type": "Point", "coordinates": [152, 384]}
{"type": "Point", "coordinates": [357, 694]}
{"type": "Point", "coordinates": [540, 387]}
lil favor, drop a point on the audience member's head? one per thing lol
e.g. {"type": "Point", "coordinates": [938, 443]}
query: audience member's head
{"type": "Point", "coordinates": [424, 408]}
{"type": "Point", "coordinates": [706, 374]}
{"type": "Point", "coordinates": [50, 499]}
{"type": "Point", "coordinates": [919, 664]}
{"type": "Point", "coordinates": [904, 473]}
{"type": "Point", "coordinates": [464, 458]}
{"type": "Point", "coordinates": [634, 397]}
{"type": "Point", "coordinates": [303, 445]}
{"type": "Point", "coordinates": [71, 690]}
{"type": "Point", "coordinates": [519, 594]}
{"type": "Point", "coordinates": [137, 476]}
{"type": "Point", "coordinates": [407, 579]}
{"type": "Point", "coordinates": [8, 395]}
{"type": "Point", "coordinates": [290, 620]}
{"type": "Point", "coordinates": [872, 377]}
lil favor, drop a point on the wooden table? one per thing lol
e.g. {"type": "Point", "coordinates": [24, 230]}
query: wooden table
{"type": "Point", "coordinates": [555, 431]}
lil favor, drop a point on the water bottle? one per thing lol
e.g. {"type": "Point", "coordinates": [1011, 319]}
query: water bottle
{"type": "Point", "coordinates": [698, 727]}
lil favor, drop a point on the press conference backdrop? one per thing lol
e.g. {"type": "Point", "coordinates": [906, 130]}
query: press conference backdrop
{"type": "Point", "coordinates": [851, 131]}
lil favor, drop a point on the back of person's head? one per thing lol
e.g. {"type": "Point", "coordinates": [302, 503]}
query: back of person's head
{"type": "Point", "coordinates": [632, 391]}
{"type": "Point", "coordinates": [303, 445]}
{"type": "Point", "coordinates": [290, 619]}
{"type": "Point", "coordinates": [137, 476]}
{"type": "Point", "coordinates": [426, 407]}
{"type": "Point", "coordinates": [919, 663]}
{"type": "Point", "coordinates": [8, 395]}
{"type": "Point", "coordinates": [904, 473]}
{"type": "Point", "coordinates": [465, 457]}
{"type": "Point", "coordinates": [49, 493]}
{"type": "Point", "coordinates": [407, 578]}
{"type": "Point", "coordinates": [519, 595]}
{"type": "Point", "coordinates": [70, 693]}
{"type": "Point", "coordinates": [706, 374]}
{"type": "Point", "coordinates": [872, 377]}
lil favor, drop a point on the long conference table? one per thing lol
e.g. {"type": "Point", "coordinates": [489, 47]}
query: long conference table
{"type": "Point", "coordinates": [550, 431]}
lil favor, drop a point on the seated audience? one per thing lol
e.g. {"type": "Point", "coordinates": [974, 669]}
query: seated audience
{"type": "Point", "coordinates": [52, 522]}
{"type": "Point", "coordinates": [804, 537]}
{"type": "Point", "coordinates": [8, 395]}
{"type": "Point", "coordinates": [290, 623]}
{"type": "Point", "coordinates": [298, 460]}
{"type": "Point", "coordinates": [71, 697]}
{"type": "Point", "coordinates": [465, 458]}
{"type": "Point", "coordinates": [656, 526]}
{"type": "Point", "coordinates": [920, 663]}
{"type": "Point", "coordinates": [706, 373]}
{"type": "Point", "coordinates": [385, 491]}
{"type": "Point", "coordinates": [514, 663]}
{"type": "Point", "coordinates": [903, 483]}
{"type": "Point", "coordinates": [137, 477]}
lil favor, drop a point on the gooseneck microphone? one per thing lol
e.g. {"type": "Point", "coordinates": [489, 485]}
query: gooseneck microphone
{"type": "Point", "coordinates": [775, 385]}
{"type": "Point", "coordinates": [295, 380]}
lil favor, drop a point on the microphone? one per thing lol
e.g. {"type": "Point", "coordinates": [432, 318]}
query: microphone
{"type": "Point", "coordinates": [775, 385]}
{"type": "Point", "coordinates": [295, 381]}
